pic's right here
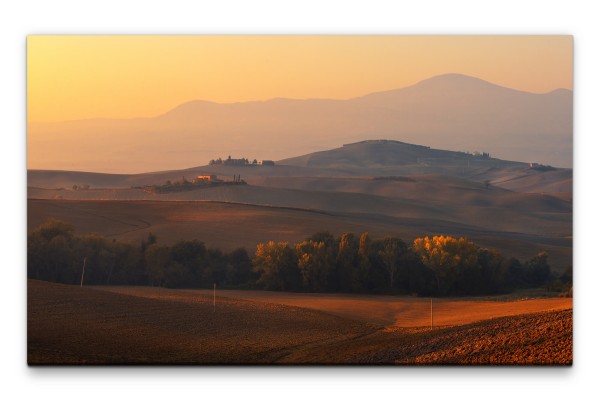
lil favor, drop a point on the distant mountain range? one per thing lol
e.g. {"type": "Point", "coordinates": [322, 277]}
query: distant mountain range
{"type": "Point", "coordinates": [451, 111]}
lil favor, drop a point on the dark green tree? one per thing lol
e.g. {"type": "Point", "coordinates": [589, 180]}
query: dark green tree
{"type": "Point", "coordinates": [50, 252]}
{"type": "Point", "coordinates": [192, 255]}
{"type": "Point", "coordinates": [239, 268]}
{"type": "Point", "coordinates": [157, 258]}
{"type": "Point", "coordinates": [537, 270]}
{"type": "Point", "coordinates": [393, 256]}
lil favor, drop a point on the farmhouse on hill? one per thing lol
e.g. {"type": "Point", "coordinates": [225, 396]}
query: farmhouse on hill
{"type": "Point", "coordinates": [207, 178]}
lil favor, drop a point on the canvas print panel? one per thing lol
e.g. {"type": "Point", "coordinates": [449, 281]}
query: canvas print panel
{"type": "Point", "coordinates": [321, 200]}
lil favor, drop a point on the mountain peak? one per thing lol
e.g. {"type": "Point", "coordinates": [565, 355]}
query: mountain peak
{"type": "Point", "coordinates": [450, 111]}
{"type": "Point", "coordinates": [460, 82]}
{"type": "Point", "coordinates": [454, 77]}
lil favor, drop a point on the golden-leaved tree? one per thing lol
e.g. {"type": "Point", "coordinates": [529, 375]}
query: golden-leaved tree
{"type": "Point", "coordinates": [447, 256]}
{"type": "Point", "coordinates": [315, 263]}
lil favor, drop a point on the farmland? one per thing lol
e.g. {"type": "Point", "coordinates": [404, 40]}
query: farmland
{"type": "Point", "coordinates": [228, 225]}
{"type": "Point", "coordinates": [393, 312]}
{"type": "Point", "coordinates": [72, 325]}
{"type": "Point", "coordinates": [395, 192]}
{"type": "Point", "coordinates": [69, 325]}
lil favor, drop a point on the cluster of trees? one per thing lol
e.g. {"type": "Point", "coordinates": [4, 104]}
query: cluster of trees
{"type": "Point", "coordinates": [541, 167]}
{"type": "Point", "coordinates": [482, 155]}
{"type": "Point", "coordinates": [79, 187]}
{"type": "Point", "coordinates": [476, 154]}
{"type": "Point", "coordinates": [55, 253]}
{"type": "Point", "coordinates": [439, 265]}
{"type": "Point", "coordinates": [185, 185]}
{"type": "Point", "coordinates": [232, 162]}
{"type": "Point", "coordinates": [240, 162]}
{"type": "Point", "coordinates": [175, 186]}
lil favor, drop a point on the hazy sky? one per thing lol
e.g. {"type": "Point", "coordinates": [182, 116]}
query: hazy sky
{"type": "Point", "coordinates": [78, 77]}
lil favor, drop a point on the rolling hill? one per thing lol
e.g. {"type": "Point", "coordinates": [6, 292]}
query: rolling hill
{"type": "Point", "coordinates": [385, 187]}
{"type": "Point", "coordinates": [370, 158]}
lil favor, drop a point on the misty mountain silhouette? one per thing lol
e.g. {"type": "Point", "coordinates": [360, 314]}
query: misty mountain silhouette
{"type": "Point", "coordinates": [450, 111]}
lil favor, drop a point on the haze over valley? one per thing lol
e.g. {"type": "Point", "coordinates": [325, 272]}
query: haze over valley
{"type": "Point", "coordinates": [452, 111]}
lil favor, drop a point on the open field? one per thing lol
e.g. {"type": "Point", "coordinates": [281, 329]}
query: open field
{"type": "Point", "coordinates": [544, 338]}
{"type": "Point", "coordinates": [393, 312]}
{"type": "Point", "coordinates": [425, 197]}
{"type": "Point", "coordinates": [72, 325]}
{"type": "Point", "coordinates": [67, 324]}
{"type": "Point", "coordinates": [230, 225]}
{"type": "Point", "coordinates": [218, 224]}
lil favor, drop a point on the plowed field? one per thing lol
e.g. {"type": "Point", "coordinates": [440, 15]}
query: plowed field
{"type": "Point", "coordinates": [72, 325]}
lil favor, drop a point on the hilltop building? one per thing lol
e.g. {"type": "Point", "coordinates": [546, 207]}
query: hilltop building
{"type": "Point", "coordinates": [207, 178]}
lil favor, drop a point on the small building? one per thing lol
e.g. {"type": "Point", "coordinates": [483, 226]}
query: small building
{"type": "Point", "coordinates": [268, 163]}
{"type": "Point", "coordinates": [207, 178]}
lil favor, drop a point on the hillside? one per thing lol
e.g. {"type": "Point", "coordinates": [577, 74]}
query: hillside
{"type": "Point", "coordinates": [381, 153]}
{"type": "Point", "coordinates": [384, 157]}
{"type": "Point", "coordinates": [385, 187]}
{"type": "Point", "coordinates": [451, 111]}
{"type": "Point", "coordinates": [389, 157]}
{"type": "Point", "coordinates": [75, 326]}
{"type": "Point", "coordinates": [534, 339]}
{"type": "Point", "coordinates": [393, 311]}
{"type": "Point", "coordinates": [370, 158]}
{"type": "Point", "coordinates": [230, 225]}
{"type": "Point", "coordinates": [419, 198]}
{"type": "Point", "coordinates": [69, 325]}
{"type": "Point", "coordinates": [66, 179]}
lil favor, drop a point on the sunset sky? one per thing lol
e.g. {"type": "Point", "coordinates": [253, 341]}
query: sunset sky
{"type": "Point", "coordinates": [79, 77]}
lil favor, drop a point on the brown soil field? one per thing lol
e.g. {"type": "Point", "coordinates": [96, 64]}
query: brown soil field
{"type": "Point", "coordinates": [393, 312]}
{"type": "Point", "coordinates": [544, 338]}
{"type": "Point", "coordinates": [218, 224]}
{"type": "Point", "coordinates": [429, 197]}
{"type": "Point", "coordinates": [230, 225]}
{"type": "Point", "coordinates": [72, 325]}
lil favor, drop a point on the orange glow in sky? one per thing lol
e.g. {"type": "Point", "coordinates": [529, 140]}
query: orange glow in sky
{"type": "Point", "coordinates": [79, 77]}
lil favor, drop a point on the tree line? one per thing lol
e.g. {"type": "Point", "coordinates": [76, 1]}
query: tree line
{"type": "Point", "coordinates": [438, 265]}
{"type": "Point", "coordinates": [55, 253]}
{"type": "Point", "coordinates": [232, 162]}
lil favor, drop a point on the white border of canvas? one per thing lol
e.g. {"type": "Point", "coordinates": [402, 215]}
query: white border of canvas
{"type": "Point", "coordinates": [20, 18]}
